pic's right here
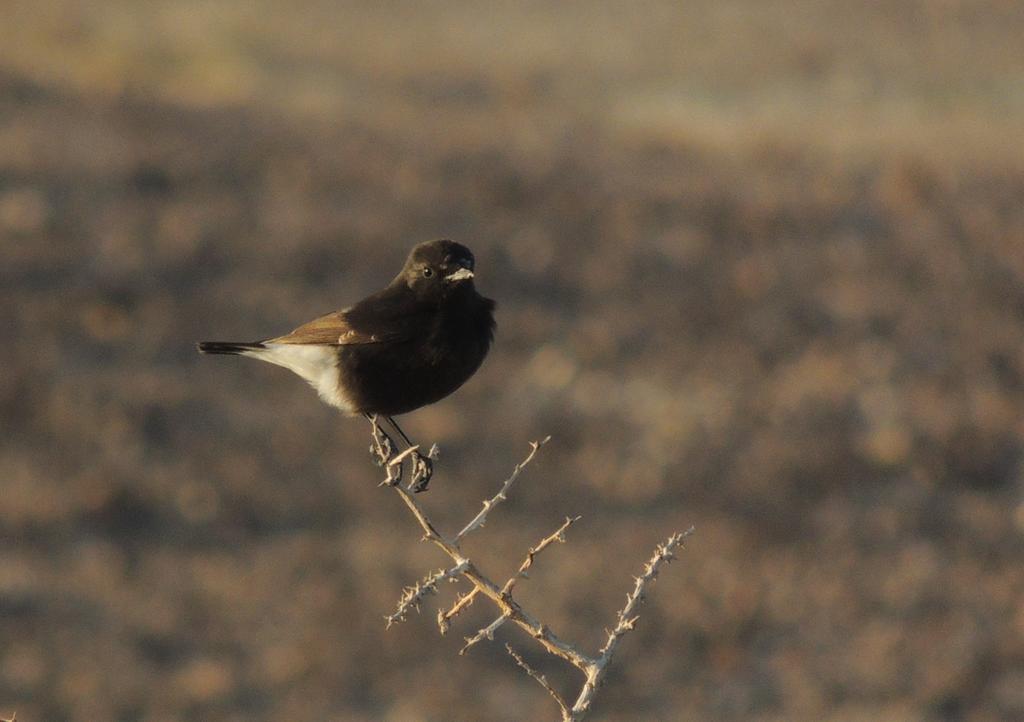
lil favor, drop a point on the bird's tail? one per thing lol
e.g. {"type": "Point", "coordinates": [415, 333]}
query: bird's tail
{"type": "Point", "coordinates": [229, 347]}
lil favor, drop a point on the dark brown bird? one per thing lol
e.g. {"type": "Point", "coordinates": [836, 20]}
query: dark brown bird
{"type": "Point", "coordinates": [406, 346]}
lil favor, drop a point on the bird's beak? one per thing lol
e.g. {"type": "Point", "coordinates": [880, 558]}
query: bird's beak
{"type": "Point", "coordinates": [460, 275]}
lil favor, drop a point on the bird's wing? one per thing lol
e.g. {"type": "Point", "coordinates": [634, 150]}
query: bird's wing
{"type": "Point", "coordinates": [336, 329]}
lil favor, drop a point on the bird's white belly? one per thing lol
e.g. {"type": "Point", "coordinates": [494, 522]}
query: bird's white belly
{"type": "Point", "coordinates": [318, 365]}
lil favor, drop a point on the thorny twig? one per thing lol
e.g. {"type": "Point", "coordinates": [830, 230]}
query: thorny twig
{"type": "Point", "coordinates": [443, 618]}
{"type": "Point", "coordinates": [593, 668]}
{"type": "Point", "coordinates": [542, 680]}
{"type": "Point", "coordinates": [488, 631]}
{"type": "Point", "coordinates": [412, 596]}
{"type": "Point", "coordinates": [558, 535]}
{"type": "Point", "coordinates": [627, 618]}
{"type": "Point", "coordinates": [484, 633]}
{"type": "Point", "coordinates": [478, 521]}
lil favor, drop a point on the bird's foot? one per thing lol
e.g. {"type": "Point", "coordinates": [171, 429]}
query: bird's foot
{"type": "Point", "coordinates": [422, 469]}
{"type": "Point", "coordinates": [382, 449]}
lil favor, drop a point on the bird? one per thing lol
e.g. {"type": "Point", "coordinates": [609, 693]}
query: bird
{"type": "Point", "coordinates": [409, 345]}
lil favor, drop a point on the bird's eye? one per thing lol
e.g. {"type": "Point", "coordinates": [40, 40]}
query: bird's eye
{"type": "Point", "coordinates": [428, 272]}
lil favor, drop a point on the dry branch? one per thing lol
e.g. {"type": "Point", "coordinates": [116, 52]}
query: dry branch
{"type": "Point", "coordinates": [478, 521]}
{"type": "Point", "coordinates": [558, 535]}
{"type": "Point", "coordinates": [484, 633]}
{"type": "Point", "coordinates": [444, 618]}
{"type": "Point", "coordinates": [593, 668]}
{"type": "Point", "coordinates": [412, 596]}
{"type": "Point", "coordinates": [542, 680]}
{"type": "Point", "coordinates": [627, 618]}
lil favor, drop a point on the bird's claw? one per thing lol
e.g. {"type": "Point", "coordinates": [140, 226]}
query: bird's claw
{"type": "Point", "coordinates": [383, 449]}
{"type": "Point", "coordinates": [422, 470]}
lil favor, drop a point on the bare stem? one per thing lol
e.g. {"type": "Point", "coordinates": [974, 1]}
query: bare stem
{"type": "Point", "coordinates": [412, 596]}
{"type": "Point", "coordinates": [543, 682]}
{"type": "Point", "coordinates": [484, 633]}
{"type": "Point", "coordinates": [627, 617]}
{"type": "Point", "coordinates": [478, 521]}
{"type": "Point", "coordinates": [444, 618]}
{"type": "Point", "coordinates": [556, 536]}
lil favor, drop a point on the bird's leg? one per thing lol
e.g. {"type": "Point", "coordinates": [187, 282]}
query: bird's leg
{"type": "Point", "coordinates": [422, 470]}
{"type": "Point", "coordinates": [396, 427]}
{"type": "Point", "coordinates": [422, 466]}
{"type": "Point", "coordinates": [383, 449]}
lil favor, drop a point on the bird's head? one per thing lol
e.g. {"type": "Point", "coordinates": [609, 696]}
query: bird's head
{"type": "Point", "coordinates": [437, 269]}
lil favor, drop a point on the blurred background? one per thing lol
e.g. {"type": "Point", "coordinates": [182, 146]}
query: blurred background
{"type": "Point", "coordinates": [760, 269]}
